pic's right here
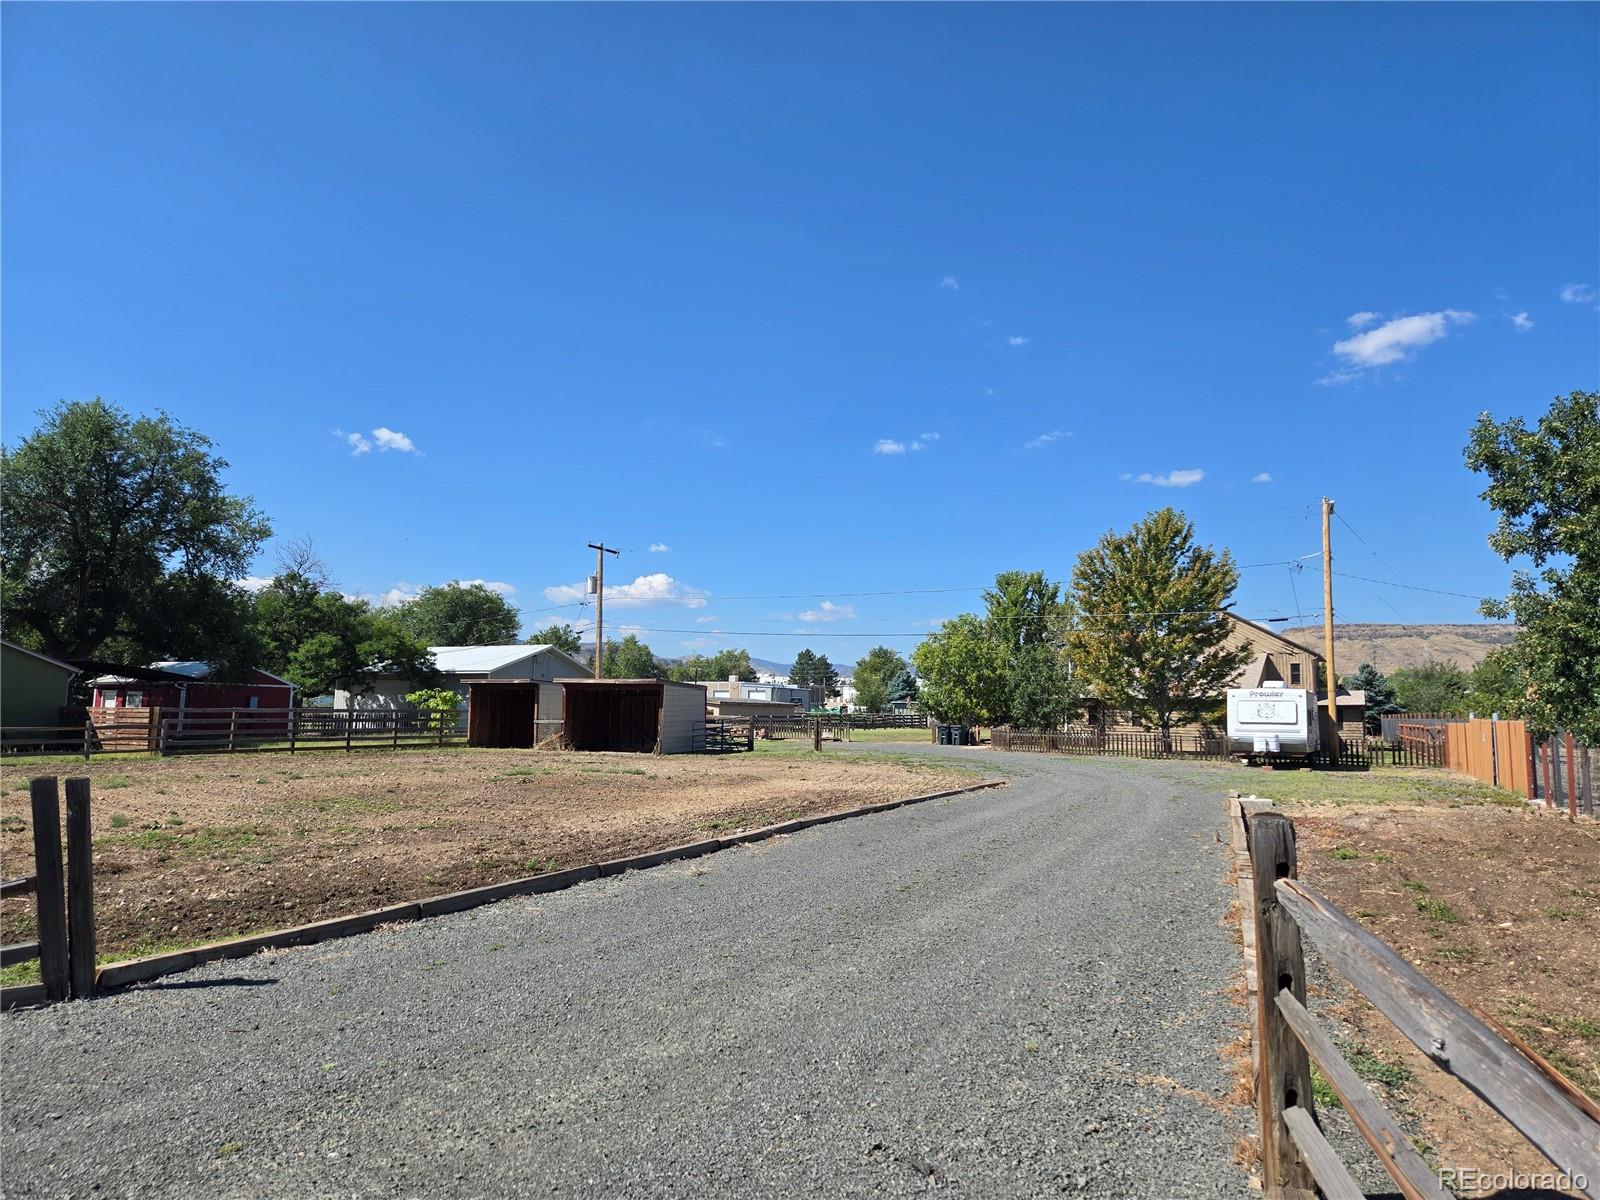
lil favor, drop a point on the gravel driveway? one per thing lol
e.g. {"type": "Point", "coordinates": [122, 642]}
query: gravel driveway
{"type": "Point", "coordinates": [1008, 993]}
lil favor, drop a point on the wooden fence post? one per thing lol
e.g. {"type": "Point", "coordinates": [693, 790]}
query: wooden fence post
{"type": "Point", "coordinates": [394, 728]}
{"type": "Point", "coordinates": [1283, 1074]}
{"type": "Point", "coordinates": [294, 726]}
{"type": "Point", "coordinates": [750, 743]}
{"type": "Point", "coordinates": [233, 726]}
{"type": "Point", "coordinates": [1572, 781]}
{"type": "Point", "coordinates": [80, 889]}
{"type": "Point", "coordinates": [88, 736]}
{"type": "Point", "coordinates": [48, 886]}
{"type": "Point", "coordinates": [816, 734]}
{"type": "Point", "coordinates": [349, 727]}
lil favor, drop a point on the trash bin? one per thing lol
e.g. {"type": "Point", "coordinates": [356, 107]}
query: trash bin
{"type": "Point", "coordinates": [944, 735]}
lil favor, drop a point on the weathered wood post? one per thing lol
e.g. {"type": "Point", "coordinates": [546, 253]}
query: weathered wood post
{"type": "Point", "coordinates": [88, 736]}
{"type": "Point", "coordinates": [349, 726]}
{"type": "Point", "coordinates": [294, 725]}
{"type": "Point", "coordinates": [48, 886]}
{"type": "Point", "coordinates": [1283, 1075]}
{"type": "Point", "coordinates": [1572, 781]}
{"type": "Point", "coordinates": [750, 743]}
{"type": "Point", "coordinates": [80, 890]}
{"type": "Point", "coordinates": [816, 734]}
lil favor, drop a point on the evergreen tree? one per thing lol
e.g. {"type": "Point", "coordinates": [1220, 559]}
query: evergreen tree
{"type": "Point", "coordinates": [804, 670]}
{"type": "Point", "coordinates": [1380, 694]}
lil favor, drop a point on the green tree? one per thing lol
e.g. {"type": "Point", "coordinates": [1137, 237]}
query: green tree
{"type": "Point", "coordinates": [1150, 634]}
{"type": "Point", "coordinates": [460, 614]}
{"type": "Point", "coordinates": [963, 672]}
{"type": "Point", "coordinates": [812, 668]}
{"type": "Point", "coordinates": [1024, 608]}
{"type": "Point", "coordinates": [441, 706]}
{"type": "Point", "coordinates": [872, 676]}
{"type": "Point", "coordinates": [562, 637]}
{"type": "Point", "coordinates": [1434, 687]}
{"type": "Point", "coordinates": [630, 659]}
{"type": "Point", "coordinates": [1380, 694]}
{"type": "Point", "coordinates": [902, 687]}
{"type": "Point", "coordinates": [698, 668]}
{"type": "Point", "coordinates": [1545, 485]}
{"type": "Point", "coordinates": [1498, 685]}
{"type": "Point", "coordinates": [119, 533]}
{"type": "Point", "coordinates": [1041, 693]}
{"type": "Point", "coordinates": [353, 647]}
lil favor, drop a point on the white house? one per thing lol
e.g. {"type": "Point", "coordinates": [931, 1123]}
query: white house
{"type": "Point", "coordinates": [461, 665]}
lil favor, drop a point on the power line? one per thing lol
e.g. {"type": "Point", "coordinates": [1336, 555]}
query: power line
{"type": "Point", "coordinates": [1411, 587]}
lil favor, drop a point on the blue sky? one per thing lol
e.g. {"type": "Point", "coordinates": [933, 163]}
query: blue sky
{"type": "Point", "coordinates": [820, 300]}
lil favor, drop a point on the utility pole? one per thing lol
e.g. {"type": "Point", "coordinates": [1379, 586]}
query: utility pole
{"type": "Point", "coordinates": [1327, 627]}
{"type": "Point", "coordinates": [601, 551]}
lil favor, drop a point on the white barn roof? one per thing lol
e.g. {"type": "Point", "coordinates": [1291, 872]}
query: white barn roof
{"type": "Point", "coordinates": [480, 660]}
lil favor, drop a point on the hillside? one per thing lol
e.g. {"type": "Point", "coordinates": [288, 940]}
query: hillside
{"type": "Point", "coordinates": [1389, 647]}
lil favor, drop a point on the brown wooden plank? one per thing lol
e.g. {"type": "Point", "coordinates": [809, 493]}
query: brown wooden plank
{"type": "Point", "coordinates": [80, 890]}
{"type": "Point", "coordinates": [18, 952]}
{"type": "Point", "coordinates": [1452, 1037]}
{"type": "Point", "coordinates": [1533, 1056]}
{"type": "Point", "coordinates": [1322, 1160]}
{"type": "Point", "coordinates": [1394, 1150]}
{"type": "Point", "coordinates": [1283, 1078]}
{"type": "Point", "coordinates": [51, 897]}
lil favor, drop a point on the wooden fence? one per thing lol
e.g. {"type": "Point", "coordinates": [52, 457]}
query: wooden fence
{"type": "Point", "coordinates": [1564, 773]}
{"type": "Point", "coordinates": [63, 903]}
{"type": "Point", "coordinates": [1097, 741]}
{"type": "Point", "coordinates": [1506, 1073]}
{"type": "Point", "coordinates": [864, 720]}
{"type": "Point", "coordinates": [725, 735]}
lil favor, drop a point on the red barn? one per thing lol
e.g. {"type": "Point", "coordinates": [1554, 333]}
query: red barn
{"type": "Point", "coordinates": [177, 687]}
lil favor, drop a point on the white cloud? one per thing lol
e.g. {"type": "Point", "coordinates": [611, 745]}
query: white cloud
{"type": "Point", "coordinates": [949, 282]}
{"type": "Point", "coordinates": [1521, 322]}
{"type": "Point", "coordinates": [1015, 340]}
{"type": "Point", "coordinates": [393, 439]}
{"type": "Point", "coordinates": [829, 611]}
{"type": "Point", "coordinates": [1398, 339]}
{"type": "Point", "coordinates": [1183, 477]}
{"type": "Point", "coordinates": [659, 588]}
{"type": "Point", "coordinates": [1361, 319]}
{"type": "Point", "coordinates": [706, 620]}
{"type": "Point", "coordinates": [1578, 293]}
{"type": "Point", "coordinates": [1044, 439]}
{"type": "Point", "coordinates": [924, 440]}
{"type": "Point", "coordinates": [254, 583]}
{"type": "Point", "coordinates": [1261, 477]}
{"type": "Point", "coordinates": [888, 446]}
{"type": "Point", "coordinates": [659, 547]}
{"type": "Point", "coordinates": [494, 585]}
{"type": "Point", "coordinates": [383, 438]}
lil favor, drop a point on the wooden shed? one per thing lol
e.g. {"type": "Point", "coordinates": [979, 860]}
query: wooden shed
{"type": "Point", "coordinates": [512, 713]}
{"type": "Point", "coordinates": [647, 716]}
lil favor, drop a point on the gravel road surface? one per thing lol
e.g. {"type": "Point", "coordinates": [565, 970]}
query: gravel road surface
{"type": "Point", "coordinates": [1014, 992]}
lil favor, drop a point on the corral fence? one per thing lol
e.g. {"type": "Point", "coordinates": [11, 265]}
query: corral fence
{"type": "Point", "coordinates": [1565, 773]}
{"type": "Point", "coordinates": [834, 727]}
{"type": "Point", "coordinates": [63, 901]}
{"type": "Point", "coordinates": [1493, 1062]}
{"type": "Point", "coordinates": [862, 720]}
{"type": "Point", "coordinates": [725, 735]}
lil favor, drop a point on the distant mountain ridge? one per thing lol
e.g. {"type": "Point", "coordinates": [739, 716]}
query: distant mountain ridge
{"type": "Point", "coordinates": [1390, 647]}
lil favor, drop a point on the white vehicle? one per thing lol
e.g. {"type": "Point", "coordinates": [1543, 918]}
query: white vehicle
{"type": "Point", "coordinates": [1273, 719]}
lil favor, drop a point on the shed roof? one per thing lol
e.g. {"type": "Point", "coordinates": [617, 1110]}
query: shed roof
{"type": "Point", "coordinates": [473, 660]}
{"type": "Point", "coordinates": [44, 658]}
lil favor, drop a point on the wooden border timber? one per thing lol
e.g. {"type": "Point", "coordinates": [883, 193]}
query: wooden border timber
{"type": "Point", "coordinates": [141, 970]}
{"type": "Point", "coordinates": [1456, 1041]}
{"type": "Point", "coordinates": [49, 886]}
{"type": "Point", "coordinates": [1519, 1085]}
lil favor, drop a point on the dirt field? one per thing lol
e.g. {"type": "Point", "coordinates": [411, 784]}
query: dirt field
{"type": "Point", "coordinates": [1497, 903]}
{"type": "Point", "coordinates": [195, 849]}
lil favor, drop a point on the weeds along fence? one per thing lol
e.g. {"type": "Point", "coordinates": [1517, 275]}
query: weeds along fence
{"type": "Point", "coordinates": [63, 900]}
{"type": "Point", "coordinates": [1505, 1072]}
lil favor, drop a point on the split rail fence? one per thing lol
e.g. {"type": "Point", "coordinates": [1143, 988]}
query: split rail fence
{"type": "Point", "coordinates": [1493, 1062]}
{"type": "Point", "coordinates": [63, 901]}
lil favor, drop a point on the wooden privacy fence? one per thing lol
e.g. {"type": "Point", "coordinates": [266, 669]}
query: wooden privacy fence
{"type": "Point", "coordinates": [63, 903]}
{"type": "Point", "coordinates": [1507, 1074]}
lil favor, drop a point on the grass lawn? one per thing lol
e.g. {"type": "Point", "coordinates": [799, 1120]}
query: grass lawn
{"type": "Point", "coordinates": [1382, 787]}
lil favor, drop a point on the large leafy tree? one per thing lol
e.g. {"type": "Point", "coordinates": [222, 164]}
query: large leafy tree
{"type": "Point", "coordinates": [1545, 485]}
{"type": "Point", "coordinates": [460, 614]}
{"type": "Point", "coordinates": [120, 538]}
{"type": "Point", "coordinates": [718, 667]}
{"type": "Point", "coordinates": [872, 675]}
{"type": "Point", "coordinates": [630, 659]}
{"type": "Point", "coordinates": [1436, 686]}
{"type": "Point", "coordinates": [1381, 699]}
{"type": "Point", "coordinates": [1498, 685]}
{"type": "Point", "coordinates": [1149, 632]}
{"type": "Point", "coordinates": [353, 646]}
{"type": "Point", "coordinates": [963, 671]}
{"type": "Point", "coordinates": [562, 637]}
